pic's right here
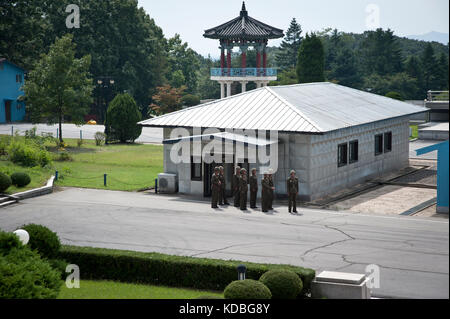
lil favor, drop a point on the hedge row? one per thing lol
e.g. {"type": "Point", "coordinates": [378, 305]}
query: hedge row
{"type": "Point", "coordinates": [167, 270]}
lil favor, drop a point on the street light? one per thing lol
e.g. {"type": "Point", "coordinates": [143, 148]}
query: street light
{"type": "Point", "coordinates": [241, 272]}
{"type": "Point", "coordinates": [23, 235]}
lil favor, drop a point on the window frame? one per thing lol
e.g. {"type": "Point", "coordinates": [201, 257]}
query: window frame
{"type": "Point", "coordinates": [342, 164]}
{"type": "Point", "coordinates": [350, 159]}
{"type": "Point", "coordinates": [196, 178]}
{"type": "Point", "coordinates": [387, 147]}
{"type": "Point", "coordinates": [381, 144]}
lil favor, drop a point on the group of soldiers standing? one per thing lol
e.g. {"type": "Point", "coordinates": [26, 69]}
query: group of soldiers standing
{"type": "Point", "coordinates": [240, 186]}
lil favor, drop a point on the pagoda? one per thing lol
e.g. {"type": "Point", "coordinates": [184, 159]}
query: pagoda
{"type": "Point", "coordinates": [243, 32]}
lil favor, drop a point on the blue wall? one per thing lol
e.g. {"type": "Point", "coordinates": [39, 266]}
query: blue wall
{"type": "Point", "coordinates": [10, 90]}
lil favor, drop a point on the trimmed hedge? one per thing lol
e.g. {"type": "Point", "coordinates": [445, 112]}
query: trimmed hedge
{"type": "Point", "coordinates": [20, 179]}
{"type": "Point", "coordinates": [5, 182]}
{"type": "Point", "coordinates": [283, 284]}
{"type": "Point", "coordinates": [160, 269]}
{"type": "Point", "coordinates": [247, 289]}
{"type": "Point", "coordinates": [43, 240]}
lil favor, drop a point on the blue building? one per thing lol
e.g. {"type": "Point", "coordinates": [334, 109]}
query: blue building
{"type": "Point", "coordinates": [442, 173]}
{"type": "Point", "coordinates": [11, 81]}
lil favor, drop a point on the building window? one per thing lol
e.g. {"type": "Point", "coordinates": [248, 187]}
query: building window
{"type": "Point", "coordinates": [378, 144]}
{"type": "Point", "coordinates": [387, 142]}
{"type": "Point", "coordinates": [19, 78]}
{"type": "Point", "coordinates": [196, 170]}
{"type": "Point", "coordinates": [342, 155]}
{"type": "Point", "coordinates": [353, 151]}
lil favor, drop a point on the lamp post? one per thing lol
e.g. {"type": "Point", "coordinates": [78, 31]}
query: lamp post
{"type": "Point", "coordinates": [105, 84]}
{"type": "Point", "coordinates": [23, 235]}
{"type": "Point", "coordinates": [241, 272]}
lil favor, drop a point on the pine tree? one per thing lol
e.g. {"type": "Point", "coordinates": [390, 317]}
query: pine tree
{"type": "Point", "coordinates": [345, 69]}
{"type": "Point", "coordinates": [311, 60]}
{"type": "Point", "coordinates": [287, 57]}
{"type": "Point", "coordinates": [442, 73]}
{"type": "Point", "coordinates": [430, 68]}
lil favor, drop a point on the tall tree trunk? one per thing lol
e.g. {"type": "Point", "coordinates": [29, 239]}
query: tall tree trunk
{"type": "Point", "coordinates": [60, 127]}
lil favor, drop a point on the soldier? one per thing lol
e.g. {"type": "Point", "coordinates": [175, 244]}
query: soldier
{"type": "Point", "coordinates": [271, 191]}
{"type": "Point", "coordinates": [265, 193]}
{"type": "Point", "coordinates": [215, 187]}
{"type": "Point", "coordinates": [243, 189]}
{"type": "Point", "coordinates": [222, 195]}
{"type": "Point", "coordinates": [253, 188]}
{"type": "Point", "coordinates": [292, 190]}
{"type": "Point", "coordinates": [235, 186]}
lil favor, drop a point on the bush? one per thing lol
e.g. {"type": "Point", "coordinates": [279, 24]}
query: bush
{"type": "Point", "coordinates": [24, 275]}
{"type": "Point", "coordinates": [247, 289]}
{"type": "Point", "coordinates": [8, 241]}
{"type": "Point", "coordinates": [209, 297]}
{"type": "Point", "coordinates": [27, 154]}
{"type": "Point", "coordinates": [283, 284]}
{"type": "Point", "coordinates": [160, 269]}
{"type": "Point", "coordinates": [59, 265]}
{"type": "Point", "coordinates": [122, 118]}
{"type": "Point", "coordinates": [79, 143]}
{"type": "Point", "coordinates": [20, 179]}
{"type": "Point", "coordinates": [100, 138]}
{"type": "Point", "coordinates": [63, 157]}
{"type": "Point", "coordinates": [43, 240]}
{"type": "Point", "coordinates": [4, 142]}
{"type": "Point", "coordinates": [190, 100]}
{"type": "Point", "coordinates": [5, 182]}
{"type": "Point", "coordinates": [395, 95]}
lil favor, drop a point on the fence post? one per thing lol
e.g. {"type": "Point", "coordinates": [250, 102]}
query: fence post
{"type": "Point", "coordinates": [104, 180]}
{"type": "Point", "coordinates": [156, 186]}
{"type": "Point", "coordinates": [12, 130]}
{"type": "Point", "coordinates": [56, 175]}
{"type": "Point", "coordinates": [81, 135]}
{"type": "Point", "coordinates": [57, 132]}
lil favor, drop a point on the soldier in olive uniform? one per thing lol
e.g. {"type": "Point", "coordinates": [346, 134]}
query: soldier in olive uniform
{"type": "Point", "coordinates": [292, 190]}
{"type": "Point", "coordinates": [253, 188]}
{"type": "Point", "coordinates": [272, 189]}
{"type": "Point", "coordinates": [243, 189]}
{"type": "Point", "coordinates": [215, 188]}
{"type": "Point", "coordinates": [265, 193]}
{"type": "Point", "coordinates": [222, 195]}
{"type": "Point", "coordinates": [235, 186]}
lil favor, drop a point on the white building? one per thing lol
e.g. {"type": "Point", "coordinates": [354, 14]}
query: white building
{"type": "Point", "coordinates": [333, 136]}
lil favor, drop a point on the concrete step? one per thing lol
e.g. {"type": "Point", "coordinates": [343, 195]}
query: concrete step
{"type": "Point", "coordinates": [7, 203]}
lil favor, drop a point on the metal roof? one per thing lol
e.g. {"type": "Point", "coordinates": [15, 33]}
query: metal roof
{"type": "Point", "coordinates": [313, 108]}
{"type": "Point", "coordinates": [244, 28]}
{"type": "Point", "coordinates": [225, 137]}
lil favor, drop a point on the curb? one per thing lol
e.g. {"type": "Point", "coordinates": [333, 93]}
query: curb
{"type": "Point", "coordinates": [47, 189]}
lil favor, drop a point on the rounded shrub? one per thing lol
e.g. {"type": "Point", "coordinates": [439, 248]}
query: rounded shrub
{"type": "Point", "coordinates": [247, 289]}
{"type": "Point", "coordinates": [43, 240]}
{"type": "Point", "coordinates": [283, 284]}
{"type": "Point", "coordinates": [122, 117]}
{"type": "Point", "coordinates": [20, 179]}
{"type": "Point", "coordinates": [5, 182]}
{"type": "Point", "coordinates": [8, 241]}
{"type": "Point", "coordinates": [24, 275]}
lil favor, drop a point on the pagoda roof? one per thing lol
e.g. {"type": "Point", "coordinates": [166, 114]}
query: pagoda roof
{"type": "Point", "coordinates": [244, 27]}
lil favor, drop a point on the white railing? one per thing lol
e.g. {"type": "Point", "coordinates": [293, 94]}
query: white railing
{"type": "Point", "coordinates": [437, 96]}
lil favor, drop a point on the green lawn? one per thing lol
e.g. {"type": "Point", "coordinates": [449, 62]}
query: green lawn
{"type": "Point", "coordinates": [116, 290]}
{"type": "Point", "coordinates": [415, 132]}
{"type": "Point", "coordinates": [128, 167]}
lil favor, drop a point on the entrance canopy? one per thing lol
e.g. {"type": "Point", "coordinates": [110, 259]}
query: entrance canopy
{"type": "Point", "coordinates": [225, 137]}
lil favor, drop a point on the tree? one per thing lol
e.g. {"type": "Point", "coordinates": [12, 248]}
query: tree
{"type": "Point", "coordinates": [414, 70]}
{"type": "Point", "coordinates": [166, 100]}
{"type": "Point", "coordinates": [311, 60]}
{"type": "Point", "coordinates": [190, 100]}
{"type": "Point", "coordinates": [345, 70]}
{"type": "Point", "coordinates": [442, 72]}
{"type": "Point", "coordinates": [59, 86]}
{"type": "Point", "coordinates": [287, 55]}
{"type": "Point", "coordinates": [395, 95]}
{"type": "Point", "coordinates": [429, 67]}
{"type": "Point", "coordinates": [287, 77]}
{"type": "Point", "coordinates": [122, 118]}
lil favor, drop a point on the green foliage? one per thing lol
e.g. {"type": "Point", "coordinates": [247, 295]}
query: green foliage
{"type": "Point", "coordinates": [5, 182]}
{"type": "Point", "coordinates": [190, 100]}
{"type": "Point", "coordinates": [27, 153]}
{"type": "Point", "coordinates": [283, 284]}
{"type": "Point", "coordinates": [59, 85]}
{"type": "Point", "coordinates": [100, 138]}
{"type": "Point", "coordinates": [4, 143]}
{"type": "Point", "coordinates": [63, 157]}
{"type": "Point", "coordinates": [247, 289]}
{"type": "Point", "coordinates": [311, 60]}
{"type": "Point", "coordinates": [20, 179]}
{"type": "Point", "coordinates": [287, 55]}
{"type": "Point", "coordinates": [24, 275]}
{"type": "Point", "coordinates": [60, 266]}
{"type": "Point", "coordinates": [205, 297]}
{"type": "Point", "coordinates": [8, 241]}
{"type": "Point", "coordinates": [394, 95]}
{"type": "Point", "coordinates": [160, 269]}
{"type": "Point", "coordinates": [43, 240]}
{"type": "Point", "coordinates": [122, 118]}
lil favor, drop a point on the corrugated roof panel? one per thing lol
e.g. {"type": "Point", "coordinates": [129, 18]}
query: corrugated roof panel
{"type": "Point", "coordinates": [306, 108]}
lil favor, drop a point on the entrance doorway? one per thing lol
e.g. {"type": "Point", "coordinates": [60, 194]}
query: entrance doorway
{"type": "Point", "coordinates": [208, 171]}
{"type": "Point", "coordinates": [7, 111]}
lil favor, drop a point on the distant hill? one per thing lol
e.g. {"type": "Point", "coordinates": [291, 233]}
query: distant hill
{"type": "Point", "coordinates": [431, 36]}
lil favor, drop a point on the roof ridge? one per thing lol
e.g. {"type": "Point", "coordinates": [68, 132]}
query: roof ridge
{"type": "Point", "coordinates": [295, 109]}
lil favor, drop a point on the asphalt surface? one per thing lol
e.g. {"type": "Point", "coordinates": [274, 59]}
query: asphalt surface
{"type": "Point", "coordinates": [412, 252]}
{"type": "Point", "coordinates": [149, 135]}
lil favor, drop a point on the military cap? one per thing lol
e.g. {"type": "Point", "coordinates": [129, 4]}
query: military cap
{"type": "Point", "coordinates": [253, 169]}
{"type": "Point", "coordinates": [238, 167]}
{"type": "Point", "coordinates": [220, 167]}
{"type": "Point", "coordinates": [270, 171]}
{"type": "Point", "coordinates": [292, 172]}
{"type": "Point", "coordinates": [243, 171]}
{"type": "Point", "coordinates": [216, 169]}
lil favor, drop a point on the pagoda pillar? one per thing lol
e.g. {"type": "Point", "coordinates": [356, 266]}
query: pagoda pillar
{"type": "Point", "coordinates": [222, 58]}
{"type": "Point", "coordinates": [229, 49]}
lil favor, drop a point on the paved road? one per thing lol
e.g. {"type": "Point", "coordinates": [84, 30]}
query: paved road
{"type": "Point", "coordinates": [413, 253]}
{"type": "Point", "coordinates": [149, 135]}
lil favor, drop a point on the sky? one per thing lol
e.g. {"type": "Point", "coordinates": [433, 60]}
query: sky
{"type": "Point", "coordinates": [190, 18]}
